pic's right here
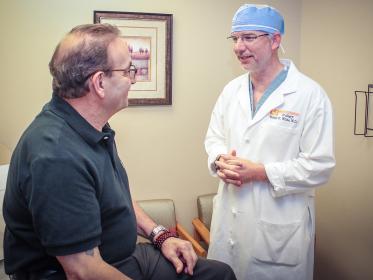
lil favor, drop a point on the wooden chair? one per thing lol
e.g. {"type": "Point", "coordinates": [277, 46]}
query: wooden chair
{"type": "Point", "coordinates": [162, 211]}
{"type": "Point", "coordinates": [202, 223]}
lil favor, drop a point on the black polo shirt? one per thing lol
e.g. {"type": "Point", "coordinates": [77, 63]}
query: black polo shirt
{"type": "Point", "coordinates": [67, 192]}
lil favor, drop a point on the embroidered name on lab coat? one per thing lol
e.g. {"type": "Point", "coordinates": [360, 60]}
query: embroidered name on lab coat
{"type": "Point", "coordinates": [283, 115]}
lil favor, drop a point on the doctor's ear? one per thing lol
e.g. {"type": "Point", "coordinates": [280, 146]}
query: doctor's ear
{"type": "Point", "coordinates": [276, 40]}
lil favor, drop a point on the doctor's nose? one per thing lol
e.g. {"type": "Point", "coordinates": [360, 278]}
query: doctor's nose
{"type": "Point", "coordinates": [239, 46]}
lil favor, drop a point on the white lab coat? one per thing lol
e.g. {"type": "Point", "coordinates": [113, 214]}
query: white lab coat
{"type": "Point", "coordinates": [266, 230]}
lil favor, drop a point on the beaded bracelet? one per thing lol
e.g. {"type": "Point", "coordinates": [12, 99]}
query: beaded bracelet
{"type": "Point", "coordinates": [162, 238]}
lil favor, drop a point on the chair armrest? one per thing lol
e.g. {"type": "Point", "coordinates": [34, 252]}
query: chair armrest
{"type": "Point", "coordinates": [186, 236]}
{"type": "Point", "coordinates": [202, 230]}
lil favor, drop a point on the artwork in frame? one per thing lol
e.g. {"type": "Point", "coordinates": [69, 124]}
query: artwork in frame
{"type": "Point", "coordinates": [149, 38]}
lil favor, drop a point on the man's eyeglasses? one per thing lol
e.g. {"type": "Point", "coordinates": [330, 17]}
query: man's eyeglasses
{"type": "Point", "coordinates": [129, 72]}
{"type": "Point", "coordinates": [246, 38]}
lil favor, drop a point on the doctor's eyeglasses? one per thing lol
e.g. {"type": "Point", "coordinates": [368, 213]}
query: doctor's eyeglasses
{"type": "Point", "coordinates": [246, 38]}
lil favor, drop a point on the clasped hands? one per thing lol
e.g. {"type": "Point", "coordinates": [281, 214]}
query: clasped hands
{"type": "Point", "coordinates": [237, 171]}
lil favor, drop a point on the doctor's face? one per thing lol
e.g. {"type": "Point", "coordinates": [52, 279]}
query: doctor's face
{"type": "Point", "coordinates": [253, 49]}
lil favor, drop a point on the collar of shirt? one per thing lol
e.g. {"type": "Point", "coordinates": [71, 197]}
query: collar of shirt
{"type": "Point", "coordinates": [91, 135]}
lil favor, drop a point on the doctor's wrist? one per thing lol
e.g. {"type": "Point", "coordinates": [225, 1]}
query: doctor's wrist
{"type": "Point", "coordinates": [216, 160]}
{"type": "Point", "coordinates": [261, 174]}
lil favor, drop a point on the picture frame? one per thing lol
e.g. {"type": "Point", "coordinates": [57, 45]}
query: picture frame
{"type": "Point", "coordinates": [149, 38]}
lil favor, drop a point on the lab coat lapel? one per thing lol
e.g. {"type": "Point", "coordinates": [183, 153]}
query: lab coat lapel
{"type": "Point", "coordinates": [277, 97]}
{"type": "Point", "coordinates": [273, 101]}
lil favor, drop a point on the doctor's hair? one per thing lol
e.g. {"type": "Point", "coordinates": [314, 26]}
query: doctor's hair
{"type": "Point", "coordinates": [81, 53]}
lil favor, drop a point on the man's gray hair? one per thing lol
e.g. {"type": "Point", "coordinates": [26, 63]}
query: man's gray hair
{"type": "Point", "coordinates": [81, 53]}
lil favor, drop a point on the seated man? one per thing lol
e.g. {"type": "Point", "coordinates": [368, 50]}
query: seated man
{"type": "Point", "coordinates": [67, 207]}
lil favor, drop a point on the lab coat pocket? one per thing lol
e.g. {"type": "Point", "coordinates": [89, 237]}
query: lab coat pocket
{"type": "Point", "coordinates": [278, 243]}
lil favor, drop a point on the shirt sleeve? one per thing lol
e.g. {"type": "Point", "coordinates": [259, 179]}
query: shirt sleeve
{"type": "Point", "coordinates": [64, 207]}
{"type": "Point", "coordinates": [315, 160]}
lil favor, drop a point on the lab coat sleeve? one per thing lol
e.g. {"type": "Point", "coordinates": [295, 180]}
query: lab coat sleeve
{"type": "Point", "coordinates": [315, 160]}
{"type": "Point", "coordinates": [215, 141]}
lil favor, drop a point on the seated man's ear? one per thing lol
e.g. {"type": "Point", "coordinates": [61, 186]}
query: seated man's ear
{"type": "Point", "coordinates": [97, 83]}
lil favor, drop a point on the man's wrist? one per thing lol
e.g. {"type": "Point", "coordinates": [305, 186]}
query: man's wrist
{"type": "Point", "coordinates": [260, 173]}
{"type": "Point", "coordinates": [216, 160]}
{"type": "Point", "coordinates": [156, 231]}
{"type": "Point", "coordinates": [158, 242]}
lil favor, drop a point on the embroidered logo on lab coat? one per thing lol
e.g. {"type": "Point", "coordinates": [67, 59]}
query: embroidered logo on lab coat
{"type": "Point", "coordinates": [284, 116]}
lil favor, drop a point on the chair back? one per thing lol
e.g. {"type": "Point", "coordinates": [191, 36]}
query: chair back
{"type": "Point", "coordinates": [161, 211]}
{"type": "Point", "coordinates": [204, 206]}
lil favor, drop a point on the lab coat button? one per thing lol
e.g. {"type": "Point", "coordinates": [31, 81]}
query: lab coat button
{"type": "Point", "coordinates": [231, 242]}
{"type": "Point", "coordinates": [234, 212]}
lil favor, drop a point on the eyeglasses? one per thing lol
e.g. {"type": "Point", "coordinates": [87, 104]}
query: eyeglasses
{"type": "Point", "coordinates": [246, 38]}
{"type": "Point", "coordinates": [129, 72]}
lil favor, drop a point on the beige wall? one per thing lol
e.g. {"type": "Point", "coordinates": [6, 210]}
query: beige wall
{"type": "Point", "coordinates": [4, 154]}
{"type": "Point", "coordinates": [336, 50]}
{"type": "Point", "coordinates": [161, 147]}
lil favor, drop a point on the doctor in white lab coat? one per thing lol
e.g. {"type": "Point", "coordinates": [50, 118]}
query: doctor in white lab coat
{"type": "Point", "coordinates": [270, 141]}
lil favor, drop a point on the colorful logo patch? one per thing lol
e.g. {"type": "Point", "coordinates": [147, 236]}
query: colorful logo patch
{"type": "Point", "coordinates": [283, 115]}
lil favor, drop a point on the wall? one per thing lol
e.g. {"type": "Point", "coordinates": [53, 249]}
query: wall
{"type": "Point", "coordinates": [4, 154]}
{"type": "Point", "coordinates": [336, 50]}
{"type": "Point", "coordinates": [161, 147]}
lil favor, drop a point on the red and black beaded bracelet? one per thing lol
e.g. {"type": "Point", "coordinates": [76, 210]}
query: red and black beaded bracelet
{"type": "Point", "coordinates": [162, 238]}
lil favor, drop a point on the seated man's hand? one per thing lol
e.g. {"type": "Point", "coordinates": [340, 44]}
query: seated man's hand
{"type": "Point", "coordinates": [180, 253]}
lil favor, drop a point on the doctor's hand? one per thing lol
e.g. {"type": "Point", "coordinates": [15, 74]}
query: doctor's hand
{"type": "Point", "coordinates": [238, 171]}
{"type": "Point", "coordinates": [180, 253]}
{"type": "Point", "coordinates": [224, 172]}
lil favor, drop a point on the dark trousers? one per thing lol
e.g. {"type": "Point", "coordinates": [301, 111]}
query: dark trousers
{"type": "Point", "coordinates": [147, 263]}
{"type": "Point", "coordinates": [51, 274]}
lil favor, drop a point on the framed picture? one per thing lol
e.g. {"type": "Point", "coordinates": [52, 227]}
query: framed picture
{"type": "Point", "coordinates": [149, 38]}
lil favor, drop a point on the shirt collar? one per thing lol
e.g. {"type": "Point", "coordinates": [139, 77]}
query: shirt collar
{"type": "Point", "coordinates": [91, 135]}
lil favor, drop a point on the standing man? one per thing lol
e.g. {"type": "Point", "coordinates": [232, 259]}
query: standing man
{"type": "Point", "coordinates": [270, 141]}
{"type": "Point", "coordinates": [67, 207]}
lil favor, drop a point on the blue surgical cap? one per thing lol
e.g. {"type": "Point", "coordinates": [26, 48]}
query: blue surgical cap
{"type": "Point", "coordinates": [258, 18]}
